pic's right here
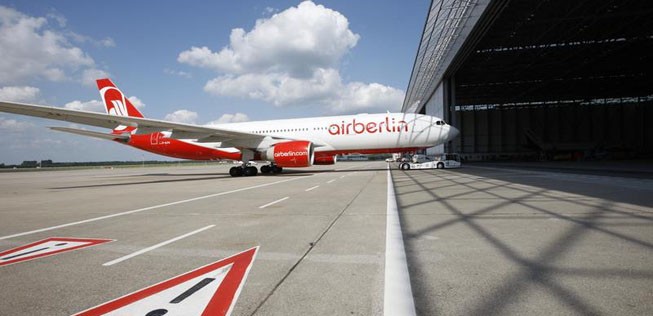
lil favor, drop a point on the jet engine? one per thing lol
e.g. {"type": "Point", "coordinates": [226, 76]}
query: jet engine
{"type": "Point", "coordinates": [324, 159]}
{"type": "Point", "coordinates": [290, 154]}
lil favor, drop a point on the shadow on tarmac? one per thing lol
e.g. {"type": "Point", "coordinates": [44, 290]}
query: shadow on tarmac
{"type": "Point", "coordinates": [209, 176]}
{"type": "Point", "coordinates": [513, 175]}
{"type": "Point", "coordinates": [544, 269]}
{"type": "Point", "coordinates": [140, 182]}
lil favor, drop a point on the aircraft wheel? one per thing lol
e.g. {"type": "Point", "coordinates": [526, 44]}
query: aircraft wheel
{"type": "Point", "coordinates": [266, 169]}
{"type": "Point", "coordinates": [250, 171]}
{"type": "Point", "coordinates": [440, 165]}
{"type": "Point", "coordinates": [405, 166]}
{"type": "Point", "coordinates": [276, 169]}
{"type": "Point", "coordinates": [236, 171]}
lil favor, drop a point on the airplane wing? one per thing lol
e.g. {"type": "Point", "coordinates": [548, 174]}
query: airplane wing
{"type": "Point", "coordinates": [144, 125]}
{"type": "Point", "coordinates": [83, 132]}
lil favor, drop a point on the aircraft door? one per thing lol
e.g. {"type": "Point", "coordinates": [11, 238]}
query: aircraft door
{"type": "Point", "coordinates": [154, 138]}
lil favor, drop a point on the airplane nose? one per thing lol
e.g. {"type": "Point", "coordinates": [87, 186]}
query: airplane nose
{"type": "Point", "coordinates": [453, 133]}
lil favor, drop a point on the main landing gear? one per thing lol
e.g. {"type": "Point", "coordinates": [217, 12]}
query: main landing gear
{"type": "Point", "coordinates": [243, 171]}
{"type": "Point", "coordinates": [248, 171]}
{"type": "Point", "coordinates": [271, 169]}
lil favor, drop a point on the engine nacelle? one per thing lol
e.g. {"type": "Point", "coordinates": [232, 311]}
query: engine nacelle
{"type": "Point", "coordinates": [324, 159]}
{"type": "Point", "coordinates": [291, 154]}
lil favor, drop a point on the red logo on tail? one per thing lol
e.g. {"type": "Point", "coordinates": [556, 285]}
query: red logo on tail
{"type": "Point", "coordinates": [114, 101]}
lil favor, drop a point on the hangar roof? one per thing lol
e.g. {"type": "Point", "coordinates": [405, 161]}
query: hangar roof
{"type": "Point", "coordinates": [445, 30]}
{"type": "Point", "coordinates": [532, 52]}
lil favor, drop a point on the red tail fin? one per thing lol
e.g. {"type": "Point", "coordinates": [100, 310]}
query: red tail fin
{"type": "Point", "coordinates": [115, 101]}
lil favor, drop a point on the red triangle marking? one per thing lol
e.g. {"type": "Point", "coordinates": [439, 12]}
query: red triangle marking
{"type": "Point", "coordinates": [50, 246]}
{"type": "Point", "coordinates": [222, 301]}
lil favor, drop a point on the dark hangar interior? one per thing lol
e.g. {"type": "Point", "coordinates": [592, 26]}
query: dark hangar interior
{"type": "Point", "coordinates": [532, 79]}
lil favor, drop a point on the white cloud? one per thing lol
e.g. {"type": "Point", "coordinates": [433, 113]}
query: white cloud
{"type": "Point", "coordinates": [297, 40]}
{"type": "Point", "coordinates": [177, 73]}
{"type": "Point", "coordinates": [203, 57]}
{"type": "Point", "coordinates": [33, 47]}
{"type": "Point", "coordinates": [270, 10]}
{"type": "Point", "coordinates": [358, 96]}
{"type": "Point", "coordinates": [92, 106]}
{"type": "Point", "coordinates": [292, 58]}
{"type": "Point", "coordinates": [324, 88]}
{"type": "Point", "coordinates": [80, 38]}
{"type": "Point", "coordinates": [97, 105]}
{"type": "Point", "coordinates": [230, 118]}
{"type": "Point", "coordinates": [89, 76]}
{"type": "Point", "coordinates": [19, 94]}
{"type": "Point", "coordinates": [11, 125]}
{"type": "Point", "coordinates": [108, 42]}
{"type": "Point", "coordinates": [61, 20]}
{"type": "Point", "coordinates": [182, 116]}
{"type": "Point", "coordinates": [136, 102]}
{"type": "Point", "coordinates": [278, 88]}
{"type": "Point", "coordinates": [190, 117]}
{"type": "Point", "coordinates": [54, 74]}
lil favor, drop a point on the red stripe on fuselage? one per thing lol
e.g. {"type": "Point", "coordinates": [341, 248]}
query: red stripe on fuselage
{"type": "Point", "coordinates": [368, 151]}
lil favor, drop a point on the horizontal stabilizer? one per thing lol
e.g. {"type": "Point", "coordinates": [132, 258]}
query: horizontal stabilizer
{"type": "Point", "coordinates": [123, 137]}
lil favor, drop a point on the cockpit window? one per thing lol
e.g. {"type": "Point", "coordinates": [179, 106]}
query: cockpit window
{"type": "Point", "coordinates": [440, 123]}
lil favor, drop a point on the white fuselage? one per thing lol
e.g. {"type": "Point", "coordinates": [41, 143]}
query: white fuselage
{"type": "Point", "coordinates": [386, 132]}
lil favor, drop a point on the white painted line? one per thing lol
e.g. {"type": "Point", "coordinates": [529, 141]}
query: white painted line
{"type": "Point", "coordinates": [342, 176]}
{"type": "Point", "coordinates": [312, 188]}
{"type": "Point", "coordinates": [140, 252]}
{"type": "Point", "coordinates": [146, 208]}
{"type": "Point", "coordinates": [398, 295]}
{"type": "Point", "coordinates": [331, 181]}
{"type": "Point", "coordinates": [275, 202]}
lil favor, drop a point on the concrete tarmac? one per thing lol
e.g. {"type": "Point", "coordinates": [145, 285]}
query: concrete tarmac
{"type": "Point", "coordinates": [506, 241]}
{"type": "Point", "coordinates": [479, 240]}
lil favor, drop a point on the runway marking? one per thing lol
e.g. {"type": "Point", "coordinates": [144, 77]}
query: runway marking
{"type": "Point", "coordinates": [312, 188]}
{"type": "Point", "coordinates": [398, 295]}
{"type": "Point", "coordinates": [331, 181]}
{"type": "Point", "coordinates": [209, 290]}
{"type": "Point", "coordinates": [147, 208]}
{"type": "Point", "coordinates": [275, 202]}
{"type": "Point", "coordinates": [46, 247]}
{"type": "Point", "coordinates": [140, 252]}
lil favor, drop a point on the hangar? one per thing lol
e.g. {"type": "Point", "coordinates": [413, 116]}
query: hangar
{"type": "Point", "coordinates": [538, 79]}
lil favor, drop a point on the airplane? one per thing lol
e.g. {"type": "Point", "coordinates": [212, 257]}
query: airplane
{"type": "Point", "coordinates": [274, 144]}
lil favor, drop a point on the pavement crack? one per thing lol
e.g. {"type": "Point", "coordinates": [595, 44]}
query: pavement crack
{"type": "Point", "coordinates": [312, 245]}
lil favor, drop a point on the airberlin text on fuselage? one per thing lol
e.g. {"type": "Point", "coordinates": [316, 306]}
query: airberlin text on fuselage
{"type": "Point", "coordinates": [388, 125]}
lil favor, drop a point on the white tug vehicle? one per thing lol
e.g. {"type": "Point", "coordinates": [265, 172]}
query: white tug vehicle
{"type": "Point", "coordinates": [440, 161]}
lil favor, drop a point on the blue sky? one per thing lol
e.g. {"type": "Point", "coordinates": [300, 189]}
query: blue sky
{"type": "Point", "coordinates": [199, 62]}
